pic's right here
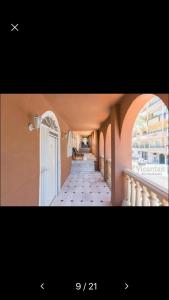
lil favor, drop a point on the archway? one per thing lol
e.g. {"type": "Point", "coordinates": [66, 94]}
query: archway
{"type": "Point", "coordinates": [101, 153]}
{"type": "Point", "coordinates": [134, 105]}
{"type": "Point", "coordinates": [108, 156]}
{"type": "Point", "coordinates": [50, 166]}
{"type": "Point", "coordinates": [150, 135]}
{"type": "Point", "coordinates": [122, 128]}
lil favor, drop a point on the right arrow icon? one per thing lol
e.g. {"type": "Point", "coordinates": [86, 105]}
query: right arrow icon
{"type": "Point", "coordinates": [126, 286]}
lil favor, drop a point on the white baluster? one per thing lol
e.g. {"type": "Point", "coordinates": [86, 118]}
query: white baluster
{"type": "Point", "coordinates": [138, 194]}
{"type": "Point", "coordinates": [127, 191]}
{"type": "Point", "coordinates": [145, 197]}
{"type": "Point", "coordinates": [133, 192]}
{"type": "Point", "coordinates": [154, 201]}
{"type": "Point", "coordinates": [141, 192]}
{"type": "Point", "coordinates": [164, 202]}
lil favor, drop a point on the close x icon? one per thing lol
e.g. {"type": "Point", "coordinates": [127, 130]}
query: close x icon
{"type": "Point", "coordinates": [14, 27]}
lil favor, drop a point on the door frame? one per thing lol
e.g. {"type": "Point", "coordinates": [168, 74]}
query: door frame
{"type": "Point", "coordinates": [52, 116]}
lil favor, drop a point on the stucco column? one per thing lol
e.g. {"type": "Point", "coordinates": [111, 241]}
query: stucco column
{"type": "Point", "coordinates": [96, 141]}
{"type": "Point", "coordinates": [116, 160]}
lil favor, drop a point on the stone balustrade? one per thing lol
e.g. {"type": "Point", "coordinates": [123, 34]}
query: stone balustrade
{"type": "Point", "coordinates": [140, 191]}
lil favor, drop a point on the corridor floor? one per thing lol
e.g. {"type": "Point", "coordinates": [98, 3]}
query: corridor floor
{"type": "Point", "coordinates": [84, 186]}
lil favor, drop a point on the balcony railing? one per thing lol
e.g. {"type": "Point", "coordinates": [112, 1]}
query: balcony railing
{"type": "Point", "coordinates": [149, 146]}
{"type": "Point", "coordinates": [142, 192]}
{"type": "Point", "coordinates": [156, 133]}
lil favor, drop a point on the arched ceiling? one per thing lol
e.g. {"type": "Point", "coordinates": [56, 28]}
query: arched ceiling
{"type": "Point", "coordinates": [83, 112]}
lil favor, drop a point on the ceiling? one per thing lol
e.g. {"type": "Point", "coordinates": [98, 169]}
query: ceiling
{"type": "Point", "coordinates": [83, 112]}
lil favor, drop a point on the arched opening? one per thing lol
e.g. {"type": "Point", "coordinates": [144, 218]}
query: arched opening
{"type": "Point", "coordinates": [150, 140]}
{"type": "Point", "coordinates": [85, 144]}
{"type": "Point", "coordinates": [123, 141]}
{"type": "Point", "coordinates": [108, 156]}
{"type": "Point", "coordinates": [101, 153]}
{"type": "Point", "coordinates": [50, 167]}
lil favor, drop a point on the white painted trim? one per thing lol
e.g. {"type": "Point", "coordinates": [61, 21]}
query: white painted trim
{"type": "Point", "coordinates": [52, 116]}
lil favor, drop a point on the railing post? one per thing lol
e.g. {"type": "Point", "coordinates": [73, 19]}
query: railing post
{"type": "Point", "coordinates": [141, 192]}
{"type": "Point", "coordinates": [138, 194]}
{"type": "Point", "coordinates": [154, 201]}
{"type": "Point", "coordinates": [128, 190]}
{"type": "Point", "coordinates": [133, 192]}
{"type": "Point", "coordinates": [145, 197]}
{"type": "Point", "coordinates": [164, 202]}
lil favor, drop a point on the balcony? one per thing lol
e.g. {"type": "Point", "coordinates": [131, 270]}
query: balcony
{"type": "Point", "coordinates": [148, 147]}
{"type": "Point", "coordinates": [152, 149]}
{"type": "Point", "coordinates": [142, 192]}
{"type": "Point", "coordinates": [155, 134]}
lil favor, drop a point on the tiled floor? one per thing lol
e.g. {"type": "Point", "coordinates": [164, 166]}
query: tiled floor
{"type": "Point", "coordinates": [84, 186]}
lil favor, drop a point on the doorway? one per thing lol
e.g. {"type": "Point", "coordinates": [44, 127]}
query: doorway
{"type": "Point", "coordinates": [50, 169]}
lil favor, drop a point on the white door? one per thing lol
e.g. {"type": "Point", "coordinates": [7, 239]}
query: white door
{"type": "Point", "coordinates": [52, 166]}
{"type": "Point", "coordinates": [48, 166]}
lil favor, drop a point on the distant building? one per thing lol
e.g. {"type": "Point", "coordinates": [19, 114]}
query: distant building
{"type": "Point", "coordinates": [150, 133]}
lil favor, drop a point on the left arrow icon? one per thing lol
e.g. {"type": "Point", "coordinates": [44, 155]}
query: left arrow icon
{"type": "Point", "coordinates": [42, 286]}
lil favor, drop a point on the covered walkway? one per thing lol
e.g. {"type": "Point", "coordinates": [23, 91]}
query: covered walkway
{"type": "Point", "coordinates": [44, 137]}
{"type": "Point", "coordinates": [84, 186]}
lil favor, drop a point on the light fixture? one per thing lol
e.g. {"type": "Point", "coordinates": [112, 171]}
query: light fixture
{"type": "Point", "coordinates": [37, 122]}
{"type": "Point", "coordinates": [65, 134]}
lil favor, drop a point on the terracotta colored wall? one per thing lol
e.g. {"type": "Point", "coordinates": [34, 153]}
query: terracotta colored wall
{"type": "Point", "coordinates": [103, 129]}
{"type": "Point", "coordinates": [90, 141]}
{"type": "Point", "coordinates": [131, 104]}
{"type": "Point", "coordinates": [20, 149]}
{"type": "Point", "coordinates": [95, 143]}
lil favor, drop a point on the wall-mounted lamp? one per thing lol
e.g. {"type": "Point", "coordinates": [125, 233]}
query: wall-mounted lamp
{"type": "Point", "coordinates": [37, 123]}
{"type": "Point", "coordinates": [64, 135]}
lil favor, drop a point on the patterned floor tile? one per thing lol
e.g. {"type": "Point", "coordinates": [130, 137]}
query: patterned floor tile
{"type": "Point", "coordinates": [84, 186]}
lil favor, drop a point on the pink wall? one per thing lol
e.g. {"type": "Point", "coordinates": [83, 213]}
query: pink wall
{"type": "Point", "coordinates": [20, 149]}
{"type": "Point", "coordinates": [95, 142]}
